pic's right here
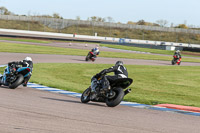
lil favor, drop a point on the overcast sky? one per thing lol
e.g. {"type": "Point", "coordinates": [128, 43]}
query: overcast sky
{"type": "Point", "coordinates": [174, 11]}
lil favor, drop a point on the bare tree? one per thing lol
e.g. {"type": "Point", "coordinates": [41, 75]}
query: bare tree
{"type": "Point", "coordinates": [93, 18]}
{"type": "Point", "coordinates": [78, 18]}
{"type": "Point", "coordinates": [99, 19]}
{"type": "Point", "coordinates": [110, 19]}
{"type": "Point", "coordinates": [141, 22]}
{"type": "Point", "coordinates": [162, 22]}
{"type": "Point", "coordinates": [56, 15]}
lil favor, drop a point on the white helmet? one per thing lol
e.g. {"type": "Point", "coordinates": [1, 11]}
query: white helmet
{"type": "Point", "coordinates": [28, 59]}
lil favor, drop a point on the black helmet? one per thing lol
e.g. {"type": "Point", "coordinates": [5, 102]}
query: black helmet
{"type": "Point", "coordinates": [118, 63]}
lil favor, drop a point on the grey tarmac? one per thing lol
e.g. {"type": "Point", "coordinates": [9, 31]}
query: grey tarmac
{"type": "Point", "coordinates": [50, 58]}
{"type": "Point", "coordinates": [26, 110]}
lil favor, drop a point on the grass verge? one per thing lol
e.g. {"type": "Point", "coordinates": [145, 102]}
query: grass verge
{"type": "Point", "coordinates": [25, 40]}
{"type": "Point", "coordinates": [155, 51]}
{"type": "Point", "coordinates": [152, 84]}
{"type": "Point", "coordinates": [25, 48]}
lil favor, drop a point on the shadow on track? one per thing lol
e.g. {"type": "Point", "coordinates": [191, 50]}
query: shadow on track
{"type": "Point", "coordinates": [79, 60]}
{"type": "Point", "coordinates": [5, 87]}
{"type": "Point", "coordinates": [71, 101]}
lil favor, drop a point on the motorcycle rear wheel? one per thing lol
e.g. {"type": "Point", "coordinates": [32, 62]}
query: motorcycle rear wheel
{"type": "Point", "coordinates": [85, 97]}
{"type": "Point", "coordinates": [17, 82]}
{"type": "Point", "coordinates": [117, 99]}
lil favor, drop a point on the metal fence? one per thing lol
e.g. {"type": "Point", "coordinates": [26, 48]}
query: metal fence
{"type": "Point", "coordinates": [63, 23]}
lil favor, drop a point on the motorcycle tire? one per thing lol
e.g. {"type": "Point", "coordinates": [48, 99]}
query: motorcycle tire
{"type": "Point", "coordinates": [17, 82]}
{"type": "Point", "coordinates": [93, 59]}
{"type": "Point", "coordinates": [85, 97]}
{"type": "Point", "coordinates": [117, 99]}
{"type": "Point", "coordinates": [0, 81]}
{"type": "Point", "coordinates": [86, 59]}
{"type": "Point", "coordinates": [173, 62]}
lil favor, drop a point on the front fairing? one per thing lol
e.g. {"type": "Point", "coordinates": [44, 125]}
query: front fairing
{"type": "Point", "coordinates": [122, 82]}
{"type": "Point", "coordinates": [94, 84]}
{"type": "Point", "coordinates": [25, 71]}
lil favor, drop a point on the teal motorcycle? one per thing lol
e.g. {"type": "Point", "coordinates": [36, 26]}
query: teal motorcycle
{"type": "Point", "coordinates": [14, 76]}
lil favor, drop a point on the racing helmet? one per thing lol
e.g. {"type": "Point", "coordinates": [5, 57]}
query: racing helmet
{"type": "Point", "coordinates": [118, 63]}
{"type": "Point", "coordinates": [28, 59]}
{"type": "Point", "coordinates": [177, 51]}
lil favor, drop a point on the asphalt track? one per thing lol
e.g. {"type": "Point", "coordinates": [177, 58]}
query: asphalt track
{"type": "Point", "coordinates": [49, 58]}
{"type": "Point", "coordinates": [26, 110]}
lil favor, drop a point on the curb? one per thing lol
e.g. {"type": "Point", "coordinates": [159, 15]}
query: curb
{"type": "Point", "coordinates": [159, 107]}
{"type": "Point", "coordinates": [3, 65]}
{"type": "Point", "coordinates": [181, 107]}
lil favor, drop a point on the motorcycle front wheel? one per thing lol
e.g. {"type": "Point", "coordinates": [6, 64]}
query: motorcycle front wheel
{"type": "Point", "coordinates": [86, 58]}
{"type": "Point", "coordinates": [173, 62]}
{"type": "Point", "coordinates": [85, 97]}
{"type": "Point", "coordinates": [119, 95]}
{"type": "Point", "coordinates": [17, 82]}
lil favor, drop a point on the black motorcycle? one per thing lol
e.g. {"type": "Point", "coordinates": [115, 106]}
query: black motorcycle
{"type": "Point", "coordinates": [110, 93]}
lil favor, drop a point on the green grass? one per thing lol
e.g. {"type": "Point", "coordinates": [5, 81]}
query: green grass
{"type": "Point", "coordinates": [25, 48]}
{"type": "Point", "coordinates": [155, 51]}
{"type": "Point", "coordinates": [25, 40]}
{"type": "Point", "coordinates": [152, 84]}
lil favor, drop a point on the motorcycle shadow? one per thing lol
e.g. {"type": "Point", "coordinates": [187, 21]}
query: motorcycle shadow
{"type": "Point", "coordinates": [78, 60]}
{"type": "Point", "coordinates": [5, 87]}
{"type": "Point", "coordinates": [73, 101]}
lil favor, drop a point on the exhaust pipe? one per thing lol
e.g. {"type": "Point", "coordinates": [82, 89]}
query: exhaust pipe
{"type": "Point", "coordinates": [127, 91]}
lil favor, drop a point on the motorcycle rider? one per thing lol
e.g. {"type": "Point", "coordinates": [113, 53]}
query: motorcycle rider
{"type": "Point", "coordinates": [119, 70]}
{"type": "Point", "coordinates": [177, 55]}
{"type": "Point", "coordinates": [95, 51]}
{"type": "Point", "coordinates": [27, 62]}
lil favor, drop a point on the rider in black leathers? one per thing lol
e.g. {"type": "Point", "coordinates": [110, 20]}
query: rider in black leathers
{"type": "Point", "coordinates": [119, 70]}
{"type": "Point", "coordinates": [27, 62]}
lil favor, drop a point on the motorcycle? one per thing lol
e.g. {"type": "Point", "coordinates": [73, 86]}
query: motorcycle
{"type": "Point", "coordinates": [14, 76]}
{"type": "Point", "coordinates": [176, 60]}
{"type": "Point", "coordinates": [111, 94]}
{"type": "Point", "coordinates": [90, 56]}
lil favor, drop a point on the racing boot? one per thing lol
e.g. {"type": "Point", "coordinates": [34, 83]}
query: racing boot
{"type": "Point", "coordinates": [25, 84]}
{"type": "Point", "coordinates": [25, 81]}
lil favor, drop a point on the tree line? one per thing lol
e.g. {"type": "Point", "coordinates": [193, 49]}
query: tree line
{"type": "Point", "coordinates": [161, 22]}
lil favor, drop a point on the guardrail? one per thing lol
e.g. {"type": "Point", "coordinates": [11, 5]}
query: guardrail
{"type": "Point", "coordinates": [50, 35]}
